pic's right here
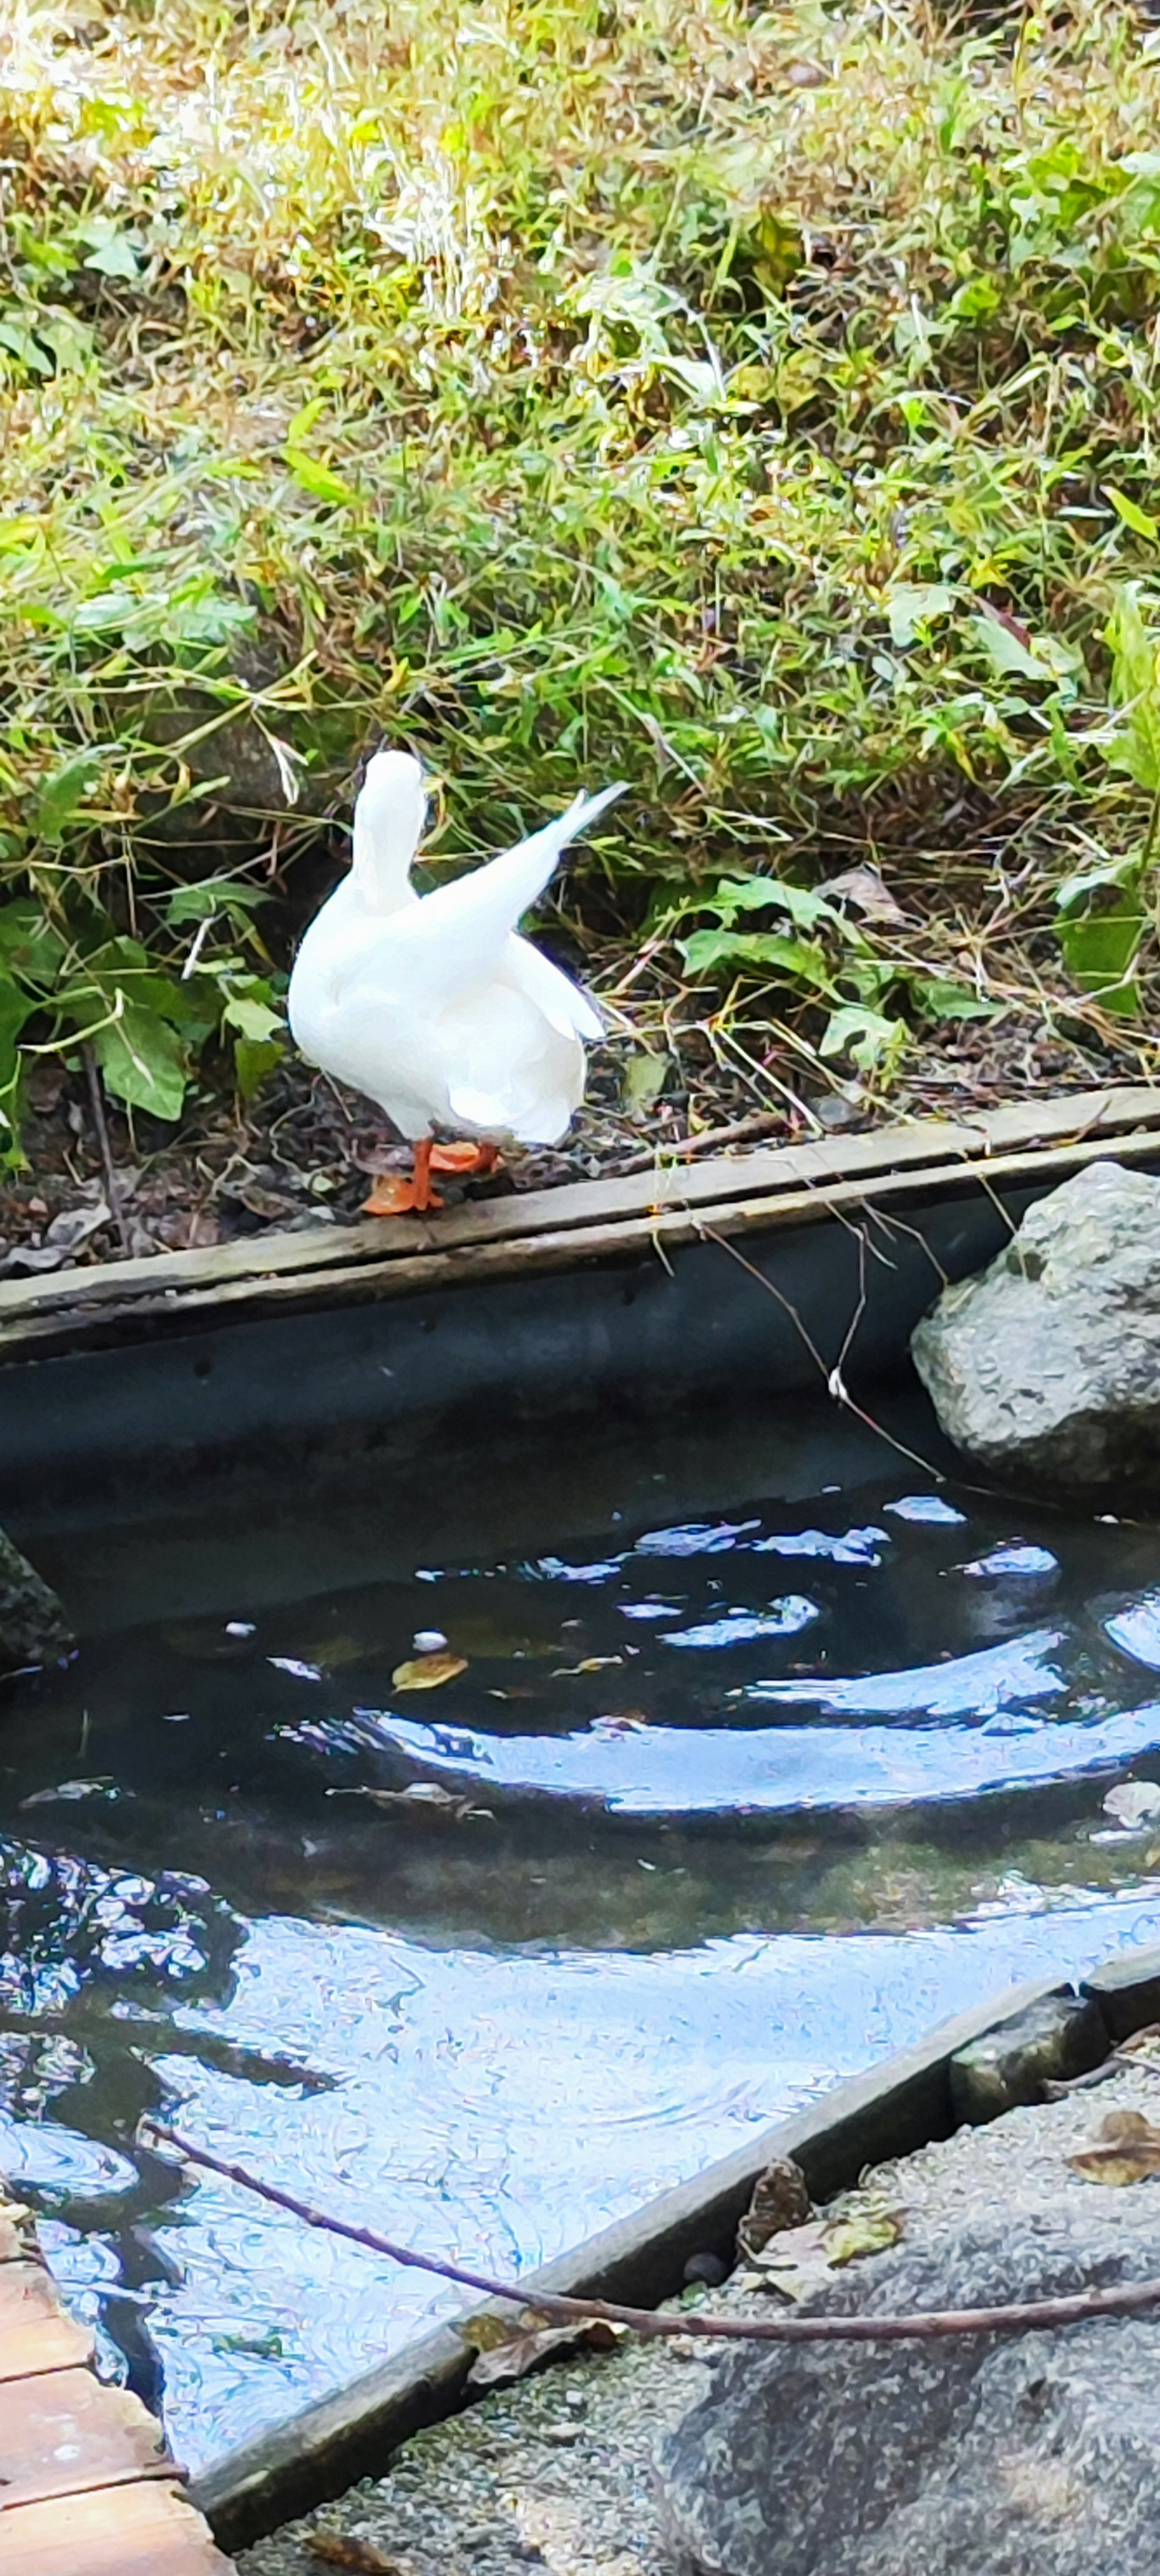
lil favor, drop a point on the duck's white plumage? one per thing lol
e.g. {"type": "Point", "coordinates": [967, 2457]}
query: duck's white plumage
{"type": "Point", "coordinates": [432, 1004]}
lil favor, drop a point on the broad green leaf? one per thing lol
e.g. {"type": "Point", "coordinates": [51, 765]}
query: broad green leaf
{"type": "Point", "coordinates": [911, 605]}
{"type": "Point", "coordinates": [1100, 950]}
{"type": "Point", "coordinates": [802, 959]}
{"type": "Point", "coordinates": [937, 999]}
{"type": "Point", "coordinates": [64, 791]}
{"type": "Point", "coordinates": [194, 903]}
{"type": "Point", "coordinates": [70, 340]}
{"type": "Point", "coordinates": [644, 1079]}
{"type": "Point", "coordinates": [769, 894]}
{"type": "Point", "coordinates": [869, 1037]}
{"type": "Point", "coordinates": [30, 948]}
{"type": "Point", "coordinates": [252, 1018]}
{"type": "Point", "coordinates": [1078, 890]}
{"type": "Point", "coordinates": [1135, 691]}
{"type": "Point", "coordinates": [143, 1061]}
{"type": "Point", "coordinates": [113, 255]}
{"type": "Point", "coordinates": [254, 1058]}
{"type": "Point", "coordinates": [1005, 652]}
{"type": "Point", "coordinates": [318, 480]}
{"type": "Point", "coordinates": [15, 1008]}
{"type": "Point", "coordinates": [1132, 515]}
{"type": "Point", "coordinates": [25, 346]}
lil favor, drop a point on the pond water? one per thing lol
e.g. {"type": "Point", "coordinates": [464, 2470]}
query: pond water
{"type": "Point", "coordinates": [738, 1790]}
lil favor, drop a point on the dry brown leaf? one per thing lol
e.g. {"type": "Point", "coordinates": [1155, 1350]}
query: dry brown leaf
{"type": "Point", "coordinates": [512, 2355]}
{"type": "Point", "coordinates": [1143, 2044]}
{"type": "Point", "coordinates": [1127, 2150]}
{"type": "Point", "coordinates": [424, 1797]}
{"type": "Point", "coordinates": [797, 2260]}
{"type": "Point", "coordinates": [427, 1672]}
{"type": "Point", "coordinates": [360, 2556]}
{"type": "Point", "coordinates": [780, 2200]}
{"type": "Point", "coordinates": [863, 887]}
{"type": "Point", "coordinates": [591, 1664]}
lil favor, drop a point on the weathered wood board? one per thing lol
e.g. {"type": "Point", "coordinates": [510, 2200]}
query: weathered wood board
{"type": "Point", "coordinates": [590, 1221]}
{"type": "Point", "coordinates": [87, 2487]}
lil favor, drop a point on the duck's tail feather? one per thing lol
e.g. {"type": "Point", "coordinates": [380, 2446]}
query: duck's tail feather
{"type": "Point", "coordinates": [469, 920]}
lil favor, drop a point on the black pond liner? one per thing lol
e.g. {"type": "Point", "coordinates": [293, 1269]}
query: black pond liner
{"type": "Point", "coordinates": [140, 1423]}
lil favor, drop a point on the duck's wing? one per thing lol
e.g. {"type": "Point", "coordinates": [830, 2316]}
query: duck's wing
{"type": "Point", "coordinates": [460, 933]}
{"type": "Point", "coordinates": [565, 1008]}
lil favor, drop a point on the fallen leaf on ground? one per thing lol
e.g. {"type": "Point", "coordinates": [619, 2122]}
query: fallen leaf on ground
{"type": "Point", "coordinates": [780, 2200]}
{"type": "Point", "coordinates": [863, 887]}
{"type": "Point", "coordinates": [524, 2350]}
{"type": "Point", "coordinates": [360, 2556]}
{"type": "Point", "coordinates": [866, 2231]}
{"type": "Point", "coordinates": [1127, 2150]}
{"type": "Point", "coordinates": [1143, 2044]}
{"type": "Point", "coordinates": [427, 1672]}
{"type": "Point", "coordinates": [799, 2259]}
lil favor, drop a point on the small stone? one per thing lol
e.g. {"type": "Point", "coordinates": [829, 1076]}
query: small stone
{"type": "Point", "coordinates": [562, 2435]}
{"type": "Point", "coordinates": [707, 2268]}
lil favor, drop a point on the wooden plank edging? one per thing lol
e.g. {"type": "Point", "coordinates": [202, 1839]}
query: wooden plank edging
{"type": "Point", "coordinates": [568, 1228]}
{"type": "Point", "coordinates": [87, 2485]}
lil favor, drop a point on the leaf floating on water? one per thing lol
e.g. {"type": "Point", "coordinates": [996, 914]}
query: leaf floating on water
{"type": "Point", "coordinates": [1128, 2150]}
{"type": "Point", "coordinates": [426, 1796]}
{"type": "Point", "coordinates": [336, 2549]}
{"type": "Point", "coordinates": [591, 1664]}
{"type": "Point", "coordinates": [865, 2231]}
{"type": "Point", "coordinates": [1133, 1803]}
{"type": "Point", "coordinates": [428, 1672]}
{"type": "Point", "coordinates": [529, 2347]}
{"type": "Point", "coordinates": [102, 1788]}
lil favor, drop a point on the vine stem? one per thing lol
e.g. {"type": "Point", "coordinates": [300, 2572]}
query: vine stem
{"type": "Point", "coordinates": [921, 2326]}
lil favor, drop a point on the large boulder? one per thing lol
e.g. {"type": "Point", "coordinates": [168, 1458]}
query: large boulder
{"type": "Point", "coordinates": [980, 2455]}
{"type": "Point", "coordinates": [1046, 1367]}
{"type": "Point", "coordinates": [34, 1627]}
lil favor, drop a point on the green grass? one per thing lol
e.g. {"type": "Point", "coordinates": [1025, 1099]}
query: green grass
{"type": "Point", "coordinates": [667, 392]}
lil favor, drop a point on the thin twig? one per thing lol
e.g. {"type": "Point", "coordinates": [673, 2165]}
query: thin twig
{"type": "Point", "coordinates": [112, 1185]}
{"type": "Point", "coordinates": [1026, 2317]}
{"type": "Point", "coordinates": [681, 1149]}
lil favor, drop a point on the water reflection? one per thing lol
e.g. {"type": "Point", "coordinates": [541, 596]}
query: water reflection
{"type": "Point", "coordinates": [684, 1846]}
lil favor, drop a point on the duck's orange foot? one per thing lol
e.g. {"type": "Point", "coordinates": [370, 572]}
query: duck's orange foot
{"type": "Point", "coordinates": [394, 1195]}
{"type": "Point", "coordinates": [463, 1157]}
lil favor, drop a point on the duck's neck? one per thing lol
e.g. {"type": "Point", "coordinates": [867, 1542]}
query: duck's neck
{"type": "Point", "coordinates": [381, 860]}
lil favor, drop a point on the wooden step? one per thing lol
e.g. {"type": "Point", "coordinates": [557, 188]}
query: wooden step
{"type": "Point", "coordinates": [87, 2487]}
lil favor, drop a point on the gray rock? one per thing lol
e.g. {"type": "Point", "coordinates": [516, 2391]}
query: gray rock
{"type": "Point", "coordinates": [1047, 1365]}
{"type": "Point", "coordinates": [974, 2456]}
{"type": "Point", "coordinates": [33, 1626]}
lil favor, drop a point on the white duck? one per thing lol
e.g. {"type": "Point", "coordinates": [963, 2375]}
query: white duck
{"type": "Point", "coordinates": [432, 1004]}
